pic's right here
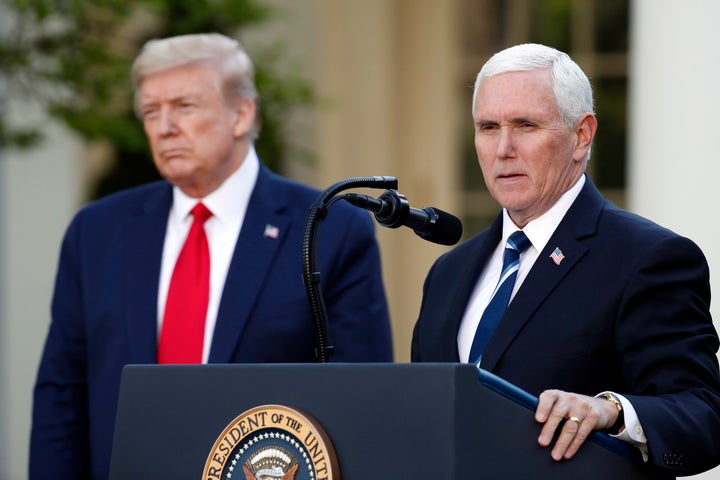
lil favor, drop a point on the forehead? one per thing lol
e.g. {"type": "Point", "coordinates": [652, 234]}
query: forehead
{"type": "Point", "coordinates": [516, 94]}
{"type": "Point", "coordinates": [182, 81]}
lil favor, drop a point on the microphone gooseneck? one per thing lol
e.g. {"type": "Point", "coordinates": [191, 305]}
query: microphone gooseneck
{"type": "Point", "coordinates": [312, 277]}
{"type": "Point", "coordinates": [391, 210]}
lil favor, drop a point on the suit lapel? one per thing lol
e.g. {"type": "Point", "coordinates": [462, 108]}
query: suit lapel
{"type": "Point", "coordinates": [579, 222]}
{"type": "Point", "coordinates": [142, 253]}
{"type": "Point", "coordinates": [250, 265]}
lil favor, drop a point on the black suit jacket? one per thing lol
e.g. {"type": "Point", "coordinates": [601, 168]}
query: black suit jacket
{"type": "Point", "coordinates": [104, 309]}
{"type": "Point", "coordinates": [626, 310]}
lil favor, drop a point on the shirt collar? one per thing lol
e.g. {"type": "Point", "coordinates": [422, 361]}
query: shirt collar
{"type": "Point", "coordinates": [224, 201]}
{"type": "Point", "coordinates": [541, 229]}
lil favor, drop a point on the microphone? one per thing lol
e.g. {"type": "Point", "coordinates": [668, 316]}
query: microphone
{"type": "Point", "coordinates": [392, 210]}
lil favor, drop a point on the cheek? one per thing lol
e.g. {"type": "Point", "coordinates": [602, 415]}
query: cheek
{"type": "Point", "coordinates": [154, 142]}
{"type": "Point", "coordinates": [213, 129]}
{"type": "Point", "coordinates": [486, 167]}
{"type": "Point", "coordinates": [485, 152]}
{"type": "Point", "coordinates": [150, 133]}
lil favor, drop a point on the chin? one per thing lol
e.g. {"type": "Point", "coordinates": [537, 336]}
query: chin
{"type": "Point", "coordinates": [514, 204]}
{"type": "Point", "coordinates": [511, 197]}
{"type": "Point", "coordinates": [177, 173]}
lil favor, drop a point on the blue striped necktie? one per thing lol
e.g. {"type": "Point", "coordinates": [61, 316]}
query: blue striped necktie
{"type": "Point", "coordinates": [516, 244]}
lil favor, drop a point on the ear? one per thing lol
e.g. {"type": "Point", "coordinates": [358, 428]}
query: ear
{"type": "Point", "coordinates": [244, 117]}
{"type": "Point", "coordinates": [585, 132]}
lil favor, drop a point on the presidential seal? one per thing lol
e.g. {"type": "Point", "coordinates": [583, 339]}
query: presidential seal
{"type": "Point", "coordinates": [272, 442]}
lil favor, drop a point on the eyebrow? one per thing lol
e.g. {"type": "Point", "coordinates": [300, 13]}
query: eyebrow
{"type": "Point", "coordinates": [512, 121]}
{"type": "Point", "coordinates": [175, 99]}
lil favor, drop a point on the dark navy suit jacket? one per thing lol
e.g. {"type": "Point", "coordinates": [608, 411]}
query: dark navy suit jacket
{"type": "Point", "coordinates": [626, 310]}
{"type": "Point", "coordinates": [104, 309]}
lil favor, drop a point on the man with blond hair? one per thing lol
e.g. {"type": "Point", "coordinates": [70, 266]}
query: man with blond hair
{"type": "Point", "coordinates": [204, 266]}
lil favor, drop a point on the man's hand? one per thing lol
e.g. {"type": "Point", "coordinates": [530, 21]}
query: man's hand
{"type": "Point", "coordinates": [576, 414]}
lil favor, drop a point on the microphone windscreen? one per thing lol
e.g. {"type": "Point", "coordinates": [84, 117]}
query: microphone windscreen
{"type": "Point", "coordinates": [446, 231]}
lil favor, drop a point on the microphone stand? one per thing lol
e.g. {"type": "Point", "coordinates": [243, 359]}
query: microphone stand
{"type": "Point", "coordinates": [311, 277]}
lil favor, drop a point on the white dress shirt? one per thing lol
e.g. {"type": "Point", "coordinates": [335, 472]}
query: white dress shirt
{"type": "Point", "coordinates": [228, 204]}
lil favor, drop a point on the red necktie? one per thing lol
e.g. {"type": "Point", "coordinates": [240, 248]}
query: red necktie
{"type": "Point", "coordinates": [183, 328]}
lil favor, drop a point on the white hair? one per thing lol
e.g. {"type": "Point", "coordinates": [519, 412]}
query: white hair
{"type": "Point", "coordinates": [572, 89]}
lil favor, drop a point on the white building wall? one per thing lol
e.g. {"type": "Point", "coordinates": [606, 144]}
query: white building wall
{"type": "Point", "coordinates": [40, 189]}
{"type": "Point", "coordinates": [674, 99]}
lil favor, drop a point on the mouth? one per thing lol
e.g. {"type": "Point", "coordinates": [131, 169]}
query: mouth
{"type": "Point", "coordinates": [173, 153]}
{"type": "Point", "coordinates": [509, 176]}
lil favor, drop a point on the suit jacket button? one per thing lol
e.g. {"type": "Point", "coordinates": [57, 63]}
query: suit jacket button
{"type": "Point", "coordinates": [675, 459]}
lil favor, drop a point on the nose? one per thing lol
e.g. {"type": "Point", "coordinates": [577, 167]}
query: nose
{"type": "Point", "coordinates": [505, 146]}
{"type": "Point", "coordinates": [167, 124]}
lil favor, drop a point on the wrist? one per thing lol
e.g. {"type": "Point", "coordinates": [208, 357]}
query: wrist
{"type": "Point", "coordinates": [619, 423]}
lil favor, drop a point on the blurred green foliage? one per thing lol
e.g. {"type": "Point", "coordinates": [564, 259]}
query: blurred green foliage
{"type": "Point", "coordinates": [73, 57]}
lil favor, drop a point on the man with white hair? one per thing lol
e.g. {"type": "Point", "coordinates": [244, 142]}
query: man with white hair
{"type": "Point", "coordinates": [601, 313]}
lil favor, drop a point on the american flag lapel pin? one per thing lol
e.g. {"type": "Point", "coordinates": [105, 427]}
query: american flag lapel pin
{"type": "Point", "coordinates": [557, 256]}
{"type": "Point", "coordinates": [271, 231]}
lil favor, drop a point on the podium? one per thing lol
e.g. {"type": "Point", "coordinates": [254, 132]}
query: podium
{"type": "Point", "coordinates": [385, 421]}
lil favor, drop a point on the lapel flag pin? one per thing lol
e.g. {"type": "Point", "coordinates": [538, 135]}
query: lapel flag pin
{"type": "Point", "coordinates": [557, 256]}
{"type": "Point", "coordinates": [271, 231]}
